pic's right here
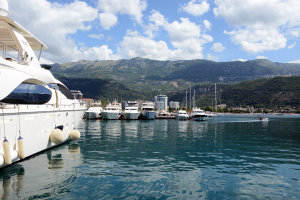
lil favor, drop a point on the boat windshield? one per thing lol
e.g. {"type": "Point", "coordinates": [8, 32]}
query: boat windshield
{"type": "Point", "coordinates": [28, 93]}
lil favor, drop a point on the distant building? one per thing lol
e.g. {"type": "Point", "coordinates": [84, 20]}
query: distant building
{"type": "Point", "coordinates": [174, 105]}
{"type": "Point", "coordinates": [76, 94]}
{"type": "Point", "coordinates": [161, 102]}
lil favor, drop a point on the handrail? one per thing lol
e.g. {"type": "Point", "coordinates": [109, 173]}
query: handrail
{"type": "Point", "coordinates": [7, 55]}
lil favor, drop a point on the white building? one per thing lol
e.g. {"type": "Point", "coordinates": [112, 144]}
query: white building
{"type": "Point", "coordinates": [161, 102]}
{"type": "Point", "coordinates": [174, 105]}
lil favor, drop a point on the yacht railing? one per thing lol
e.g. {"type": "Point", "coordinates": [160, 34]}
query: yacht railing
{"type": "Point", "coordinates": [10, 53]}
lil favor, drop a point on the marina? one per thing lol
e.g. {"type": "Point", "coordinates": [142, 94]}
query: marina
{"type": "Point", "coordinates": [124, 104]}
{"type": "Point", "coordinates": [229, 157]}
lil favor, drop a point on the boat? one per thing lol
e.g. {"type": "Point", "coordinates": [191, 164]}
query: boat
{"type": "Point", "coordinates": [198, 114]}
{"type": "Point", "coordinates": [93, 112]}
{"type": "Point", "coordinates": [148, 111]}
{"type": "Point", "coordinates": [182, 115]}
{"type": "Point", "coordinates": [263, 118]}
{"type": "Point", "coordinates": [131, 112]}
{"type": "Point", "coordinates": [112, 111]}
{"type": "Point", "coordinates": [37, 111]}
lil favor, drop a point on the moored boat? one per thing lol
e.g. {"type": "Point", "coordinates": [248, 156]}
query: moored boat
{"type": "Point", "coordinates": [93, 112]}
{"type": "Point", "coordinates": [198, 114]}
{"type": "Point", "coordinates": [131, 113]}
{"type": "Point", "coordinates": [111, 112]}
{"type": "Point", "coordinates": [182, 115]}
{"type": "Point", "coordinates": [148, 111]}
{"type": "Point", "coordinates": [37, 111]}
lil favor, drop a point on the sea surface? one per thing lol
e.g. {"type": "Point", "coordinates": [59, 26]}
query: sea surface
{"type": "Point", "coordinates": [229, 157]}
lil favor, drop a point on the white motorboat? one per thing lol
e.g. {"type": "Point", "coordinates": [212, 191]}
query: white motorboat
{"type": "Point", "coordinates": [131, 112]}
{"type": "Point", "coordinates": [37, 111]}
{"type": "Point", "coordinates": [198, 114]}
{"type": "Point", "coordinates": [182, 115]}
{"type": "Point", "coordinates": [93, 112]}
{"type": "Point", "coordinates": [148, 110]}
{"type": "Point", "coordinates": [111, 111]}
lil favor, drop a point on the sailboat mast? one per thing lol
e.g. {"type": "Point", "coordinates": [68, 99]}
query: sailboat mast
{"type": "Point", "coordinates": [194, 99]}
{"type": "Point", "coordinates": [186, 99]}
{"type": "Point", "coordinates": [216, 97]}
{"type": "Point", "coordinates": [190, 96]}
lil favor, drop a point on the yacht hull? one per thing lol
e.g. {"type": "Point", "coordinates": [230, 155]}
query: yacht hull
{"type": "Point", "coordinates": [131, 115]}
{"type": "Point", "coordinates": [149, 115]}
{"type": "Point", "coordinates": [110, 115]}
{"type": "Point", "coordinates": [35, 124]}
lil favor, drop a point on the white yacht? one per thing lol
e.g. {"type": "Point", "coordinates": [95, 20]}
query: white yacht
{"type": "Point", "coordinates": [112, 111]}
{"type": "Point", "coordinates": [37, 111]}
{"type": "Point", "coordinates": [131, 112]}
{"type": "Point", "coordinates": [182, 115]}
{"type": "Point", "coordinates": [198, 114]}
{"type": "Point", "coordinates": [148, 110]}
{"type": "Point", "coordinates": [93, 112]}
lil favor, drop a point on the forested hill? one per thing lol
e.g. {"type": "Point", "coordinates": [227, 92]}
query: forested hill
{"type": "Point", "coordinates": [269, 93]}
{"type": "Point", "coordinates": [140, 70]}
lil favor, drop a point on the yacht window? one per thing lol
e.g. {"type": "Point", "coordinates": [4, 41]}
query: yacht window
{"type": "Point", "coordinates": [27, 93]}
{"type": "Point", "coordinates": [63, 90]}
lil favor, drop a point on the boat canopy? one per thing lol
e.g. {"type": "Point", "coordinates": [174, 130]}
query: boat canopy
{"type": "Point", "coordinates": [7, 25]}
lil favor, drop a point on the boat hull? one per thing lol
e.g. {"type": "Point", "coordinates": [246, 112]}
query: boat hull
{"type": "Point", "coordinates": [149, 115]}
{"type": "Point", "coordinates": [182, 117]}
{"type": "Point", "coordinates": [110, 115]}
{"type": "Point", "coordinates": [131, 115]}
{"type": "Point", "coordinates": [36, 124]}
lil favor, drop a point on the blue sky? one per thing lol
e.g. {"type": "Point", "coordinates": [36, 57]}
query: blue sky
{"type": "Point", "coordinates": [218, 30]}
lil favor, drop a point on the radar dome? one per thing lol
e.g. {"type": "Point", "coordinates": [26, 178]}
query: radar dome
{"type": "Point", "coordinates": [3, 8]}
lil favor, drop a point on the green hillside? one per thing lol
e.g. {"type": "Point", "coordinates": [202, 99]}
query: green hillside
{"type": "Point", "coordinates": [139, 70]}
{"type": "Point", "coordinates": [262, 93]}
{"type": "Point", "coordinates": [140, 78]}
{"type": "Point", "coordinates": [269, 93]}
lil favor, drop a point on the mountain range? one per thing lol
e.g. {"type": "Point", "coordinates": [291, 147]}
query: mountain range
{"type": "Point", "coordinates": [140, 78]}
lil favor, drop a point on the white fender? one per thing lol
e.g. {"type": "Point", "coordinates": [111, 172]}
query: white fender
{"type": "Point", "coordinates": [21, 152]}
{"type": "Point", "coordinates": [56, 136]}
{"type": "Point", "coordinates": [74, 134]}
{"type": "Point", "coordinates": [6, 152]}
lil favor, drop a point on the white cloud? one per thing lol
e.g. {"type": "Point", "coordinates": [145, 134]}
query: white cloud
{"type": "Point", "coordinates": [55, 28]}
{"type": "Point", "coordinates": [217, 47]}
{"type": "Point", "coordinates": [135, 45]}
{"type": "Point", "coordinates": [96, 36]}
{"type": "Point", "coordinates": [292, 45]}
{"type": "Point", "coordinates": [212, 57]}
{"type": "Point", "coordinates": [294, 61]}
{"type": "Point", "coordinates": [97, 53]}
{"type": "Point", "coordinates": [156, 20]}
{"type": "Point", "coordinates": [261, 57]}
{"type": "Point", "coordinates": [54, 24]}
{"type": "Point", "coordinates": [187, 35]}
{"type": "Point", "coordinates": [259, 25]}
{"type": "Point", "coordinates": [207, 24]}
{"type": "Point", "coordinates": [259, 40]}
{"type": "Point", "coordinates": [107, 20]}
{"type": "Point", "coordinates": [133, 8]}
{"type": "Point", "coordinates": [241, 60]}
{"type": "Point", "coordinates": [196, 7]}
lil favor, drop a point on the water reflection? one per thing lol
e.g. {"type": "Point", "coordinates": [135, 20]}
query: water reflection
{"type": "Point", "coordinates": [34, 178]}
{"type": "Point", "coordinates": [12, 181]}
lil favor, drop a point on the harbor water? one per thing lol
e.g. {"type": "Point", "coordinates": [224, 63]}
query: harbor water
{"type": "Point", "coordinates": [229, 157]}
